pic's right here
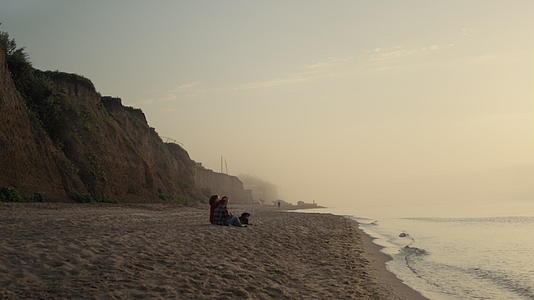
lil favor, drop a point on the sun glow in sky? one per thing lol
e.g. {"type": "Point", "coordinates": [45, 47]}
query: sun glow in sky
{"type": "Point", "coordinates": [334, 101]}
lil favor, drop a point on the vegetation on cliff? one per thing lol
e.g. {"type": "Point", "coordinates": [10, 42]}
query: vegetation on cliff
{"type": "Point", "coordinates": [44, 100]}
{"type": "Point", "coordinates": [11, 194]}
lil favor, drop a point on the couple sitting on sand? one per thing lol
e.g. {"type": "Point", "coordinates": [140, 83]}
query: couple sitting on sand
{"type": "Point", "coordinates": [219, 214]}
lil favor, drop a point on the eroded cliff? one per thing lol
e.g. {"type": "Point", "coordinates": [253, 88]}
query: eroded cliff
{"type": "Point", "coordinates": [28, 158]}
{"type": "Point", "coordinates": [61, 139]}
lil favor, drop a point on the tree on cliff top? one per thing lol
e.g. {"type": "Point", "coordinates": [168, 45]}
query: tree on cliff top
{"type": "Point", "coordinates": [8, 45]}
{"type": "Point", "coordinates": [17, 59]}
{"type": "Point", "coordinates": [42, 97]}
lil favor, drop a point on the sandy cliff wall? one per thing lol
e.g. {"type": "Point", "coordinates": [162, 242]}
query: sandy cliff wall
{"type": "Point", "coordinates": [149, 164]}
{"type": "Point", "coordinates": [99, 147]}
{"type": "Point", "coordinates": [28, 158]}
{"type": "Point", "coordinates": [117, 154]}
{"type": "Point", "coordinates": [102, 148]}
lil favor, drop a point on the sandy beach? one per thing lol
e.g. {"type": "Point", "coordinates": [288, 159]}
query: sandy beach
{"type": "Point", "coordinates": [58, 251]}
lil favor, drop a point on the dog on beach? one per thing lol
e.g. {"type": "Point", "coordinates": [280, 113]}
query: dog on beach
{"type": "Point", "coordinates": [244, 218]}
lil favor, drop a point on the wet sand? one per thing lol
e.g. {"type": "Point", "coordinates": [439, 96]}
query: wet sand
{"type": "Point", "coordinates": [58, 251]}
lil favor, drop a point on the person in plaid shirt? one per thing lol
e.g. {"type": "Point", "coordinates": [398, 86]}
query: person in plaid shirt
{"type": "Point", "coordinates": [214, 202]}
{"type": "Point", "coordinates": [221, 216]}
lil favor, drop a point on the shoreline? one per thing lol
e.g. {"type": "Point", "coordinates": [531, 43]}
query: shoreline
{"type": "Point", "coordinates": [55, 250]}
{"type": "Point", "coordinates": [379, 259]}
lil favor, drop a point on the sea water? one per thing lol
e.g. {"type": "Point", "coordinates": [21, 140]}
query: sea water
{"type": "Point", "coordinates": [463, 251]}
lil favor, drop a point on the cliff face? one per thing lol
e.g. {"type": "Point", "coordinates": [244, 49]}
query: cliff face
{"type": "Point", "coordinates": [117, 154]}
{"type": "Point", "coordinates": [103, 148]}
{"type": "Point", "coordinates": [28, 158]}
{"type": "Point", "coordinates": [210, 182]}
{"type": "Point", "coordinates": [96, 146]}
{"type": "Point", "coordinates": [164, 169]}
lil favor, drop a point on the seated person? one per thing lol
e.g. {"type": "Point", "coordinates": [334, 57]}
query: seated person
{"type": "Point", "coordinates": [214, 202]}
{"type": "Point", "coordinates": [221, 216]}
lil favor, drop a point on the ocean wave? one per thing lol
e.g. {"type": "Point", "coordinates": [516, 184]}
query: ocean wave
{"type": "Point", "coordinates": [413, 258]}
{"type": "Point", "coordinates": [503, 280]}
{"type": "Point", "coordinates": [364, 221]}
{"type": "Point", "coordinates": [413, 251]}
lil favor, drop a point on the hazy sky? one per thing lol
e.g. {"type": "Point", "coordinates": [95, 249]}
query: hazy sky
{"type": "Point", "coordinates": [333, 101]}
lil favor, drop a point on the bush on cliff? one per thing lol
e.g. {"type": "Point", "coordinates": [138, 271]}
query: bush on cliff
{"type": "Point", "coordinates": [16, 57]}
{"type": "Point", "coordinates": [42, 97]}
{"type": "Point", "coordinates": [10, 194]}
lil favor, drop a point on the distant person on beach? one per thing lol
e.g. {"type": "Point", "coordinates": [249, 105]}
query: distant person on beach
{"type": "Point", "coordinates": [221, 216]}
{"type": "Point", "coordinates": [278, 203]}
{"type": "Point", "coordinates": [214, 202]}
